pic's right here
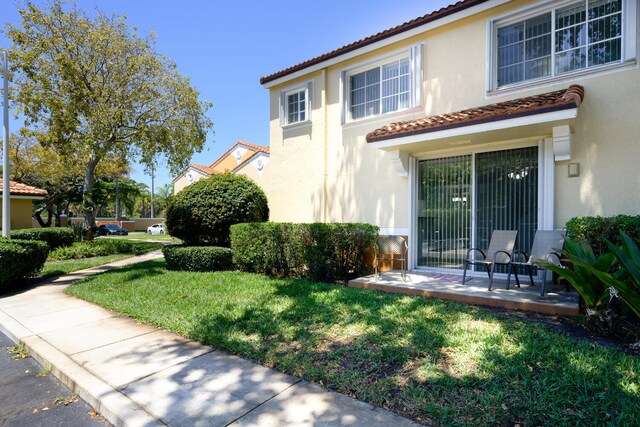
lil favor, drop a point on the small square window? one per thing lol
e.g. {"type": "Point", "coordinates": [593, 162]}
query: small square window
{"type": "Point", "coordinates": [295, 106]}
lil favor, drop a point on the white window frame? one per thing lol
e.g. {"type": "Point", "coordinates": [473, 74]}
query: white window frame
{"type": "Point", "coordinates": [413, 53]}
{"type": "Point", "coordinates": [307, 88]}
{"type": "Point", "coordinates": [628, 41]}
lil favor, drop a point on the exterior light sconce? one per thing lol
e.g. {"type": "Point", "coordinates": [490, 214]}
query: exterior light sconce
{"type": "Point", "coordinates": [574, 170]}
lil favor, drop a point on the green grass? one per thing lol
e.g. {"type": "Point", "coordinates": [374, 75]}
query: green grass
{"type": "Point", "coordinates": [141, 235]}
{"type": "Point", "coordinates": [438, 362]}
{"type": "Point", "coordinates": [56, 268]}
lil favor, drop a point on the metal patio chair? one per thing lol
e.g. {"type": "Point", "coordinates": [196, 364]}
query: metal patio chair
{"type": "Point", "coordinates": [546, 245]}
{"type": "Point", "coordinates": [499, 253]}
{"type": "Point", "coordinates": [391, 246]}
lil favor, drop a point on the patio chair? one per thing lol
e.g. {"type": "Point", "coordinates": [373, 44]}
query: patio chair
{"type": "Point", "coordinates": [546, 245]}
{"type": "Point", "coordinates": [499, 253]}
{"type": "Point", "coordinates": [386, 249]}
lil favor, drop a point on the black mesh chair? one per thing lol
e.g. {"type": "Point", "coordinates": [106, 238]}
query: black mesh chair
{"type": "Point", "coordinates": [499, 253]}
{"type": "Point", "coordinates": [546, 245]}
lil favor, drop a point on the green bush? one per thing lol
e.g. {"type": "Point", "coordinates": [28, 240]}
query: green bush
{"type": "Point", "coordinates": [55, 237]}
{"type": "Point", "coordinates": [90, 249]}
{"type": "Point", "coordinates": [197, 258]}
{"type": "Point", "coordinates": [317, 251]}
{"type": "Point", "coordinates": [596, 230]}
{"type": "Point", "coordinates": [20, 260]}
{"type": "Point", "coordinates": [202, 213]}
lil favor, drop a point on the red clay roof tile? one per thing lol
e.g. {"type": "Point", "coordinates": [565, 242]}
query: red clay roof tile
{"type": "Point", "coordinates": [19, 189]}
{"type": "Point", "coordinates": [425, 19]}
{"type": "Point", "coordinates": [537, 104]}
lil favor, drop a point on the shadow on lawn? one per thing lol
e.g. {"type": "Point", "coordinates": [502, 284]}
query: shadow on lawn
{"type": "Point", "coordinates": [406, 354]}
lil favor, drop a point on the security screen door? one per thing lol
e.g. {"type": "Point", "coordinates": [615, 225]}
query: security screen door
{"type": "Point", "coordinates": [501, 187]}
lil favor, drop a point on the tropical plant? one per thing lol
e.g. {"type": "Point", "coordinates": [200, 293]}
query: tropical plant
{"type": "Point", "coordinates": [583, 276]}
{"type": "Point", "coordinates": [626, 281]}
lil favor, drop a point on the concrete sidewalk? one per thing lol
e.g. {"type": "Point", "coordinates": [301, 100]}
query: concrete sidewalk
{"type": "Point", "coordinates": [138, 375]}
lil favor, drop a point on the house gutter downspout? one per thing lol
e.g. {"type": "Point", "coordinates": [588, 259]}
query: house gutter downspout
{"type": "Point", "coordinates": [325, 184]}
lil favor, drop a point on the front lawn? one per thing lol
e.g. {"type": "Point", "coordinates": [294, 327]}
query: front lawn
{"type": "Point", "coordinates": [57, 268]}
{"type": "Point", "coordinates": [438, 362]}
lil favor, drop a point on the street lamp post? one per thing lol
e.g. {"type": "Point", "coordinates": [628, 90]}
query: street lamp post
{"type": "Point", "coordinates": [6, 192]}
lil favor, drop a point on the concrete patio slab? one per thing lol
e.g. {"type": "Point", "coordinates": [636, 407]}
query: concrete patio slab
{"type": "Point", "coordinates": [97, 334]}
{"type": "Point", "coordinates": [210, 390]}
{"type": "Point", "coordinates": [305, 404]}
{"type": "Point", "coordinates": [129, 360]}
{"type": "Point", "coordinates": [475, 291]}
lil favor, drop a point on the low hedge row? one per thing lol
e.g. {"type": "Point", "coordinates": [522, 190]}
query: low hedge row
{"type": "Point", "coordinates": [20, 260]}
{"type": "Point", "coordinates": [55, 237]}
{"type": "Point", "coordinates": [90, 249]}
{"type": "Point", "coordinates": [197, 258]}
{"type": "Point", "coordinates": [316, 251]}
{"type": "Point", "coordinates": [596, 230]}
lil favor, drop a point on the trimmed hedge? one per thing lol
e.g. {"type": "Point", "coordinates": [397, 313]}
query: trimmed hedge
{"type": "Point", "coordinates": [19, 261]}
{"type": "Point", "coordinates": [197, 258]}
{"type": "Point", "coordinates": [202, 213]}
{"type": "Point", "coordinates": [55, 237]}
{"type": "Point", "coordinates": [316, 251]}
{"type": "Point", "coordinates": [90, 249]}
{"type": "Point", "coordinates": [596, 230]}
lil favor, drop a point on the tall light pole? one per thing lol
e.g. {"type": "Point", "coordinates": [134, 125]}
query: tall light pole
{"type": "Point", "coordinates": [6, 191]}
{"type": "Point", "coordinates": [152, 178]}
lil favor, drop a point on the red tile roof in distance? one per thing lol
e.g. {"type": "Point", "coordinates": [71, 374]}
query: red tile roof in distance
{"type": "Point", "coordinates": [425, 19]}
{"type": "Point", "coordinates": [255, 147]}
{"type": "Point", "coordinates": [547, 102]}
{"type": "Point", "coordinates": [19, 189]}
{"type": "Point", "coordinates": [201, 168]}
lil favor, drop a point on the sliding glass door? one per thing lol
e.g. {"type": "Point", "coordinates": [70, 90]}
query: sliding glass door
{"type": "Point", "coordinates": [462, 199]}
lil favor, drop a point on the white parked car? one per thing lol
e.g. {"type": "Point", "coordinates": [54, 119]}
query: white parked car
{"type": "Point", "coordinates": [156, 229]}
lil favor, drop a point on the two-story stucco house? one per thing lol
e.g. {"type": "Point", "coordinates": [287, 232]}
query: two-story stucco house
{"type": "Point", "coordinates": [484, 115]}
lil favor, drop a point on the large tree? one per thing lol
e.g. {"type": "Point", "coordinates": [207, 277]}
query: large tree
{"type": "Point", "coordinates": [101, 90]}
{"type": "Point", "coordinates": [61, 176]}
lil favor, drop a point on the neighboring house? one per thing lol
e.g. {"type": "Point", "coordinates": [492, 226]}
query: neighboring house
{"type": "Point", "coordinates": [483, 115]}
{"type": "Point", "coordinates": [21, 197]}
{"type": "Point", "coordinates": [240, 155]}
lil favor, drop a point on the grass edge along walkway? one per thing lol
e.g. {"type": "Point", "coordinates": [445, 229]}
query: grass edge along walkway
{"type": "Point", "coordinates": [437, 362]}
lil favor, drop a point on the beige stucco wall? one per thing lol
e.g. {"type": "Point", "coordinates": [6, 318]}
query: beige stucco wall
{"type": "Point", "coordinates": [330, 173]}
{"type": "Point", "coordinates": [20, 213]}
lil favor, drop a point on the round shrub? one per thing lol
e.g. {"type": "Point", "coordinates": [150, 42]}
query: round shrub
{"type": "Point", "coordinates": [20, 260]}
{"type": "Point", "coordinates": [202, 213]}
{"type": "Point", "coordinates": [55, 237]}
{"type": "Point", "coordinates": [197, 258]}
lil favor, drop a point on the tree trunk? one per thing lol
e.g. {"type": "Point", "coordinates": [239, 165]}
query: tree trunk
{"type": "Point", "coordinates": [88, 207]}
{"type": "Point", "coordinates": [38, 216]}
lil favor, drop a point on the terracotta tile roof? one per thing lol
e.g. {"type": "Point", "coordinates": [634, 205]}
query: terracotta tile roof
{"type": "Point", "coordinates": [537, 104]}
{"type": "Point", "coordinates": [425, 19]}
{"type": "Point", "coordinates": [201, 168]}
{"type": "Point", "coordinates": [255, 147]}
{"type": "Point", "coordinates": [19, 189]}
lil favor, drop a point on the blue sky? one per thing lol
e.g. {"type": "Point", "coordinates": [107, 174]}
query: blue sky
{"type": "Point", "coordinates": [226, 46]}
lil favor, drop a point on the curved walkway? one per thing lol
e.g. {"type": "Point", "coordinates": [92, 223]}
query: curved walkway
{"type": "Point", "coordinates": [139, 375]}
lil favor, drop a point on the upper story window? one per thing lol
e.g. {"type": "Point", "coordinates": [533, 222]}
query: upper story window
{"type": "Point", "coordinates": [385, 86]}
{"type": "Point", "coordinates": [574, 36]}
{"type": "Point", "coordinates": [380, 90]}
{"type": "Point", "coordinates": [295, 105]}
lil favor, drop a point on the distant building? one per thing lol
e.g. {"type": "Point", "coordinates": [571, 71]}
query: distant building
{"type": "Point", "coordinates": [240, 155]}
{"type": "Point", "coordinates": [22, 197]}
